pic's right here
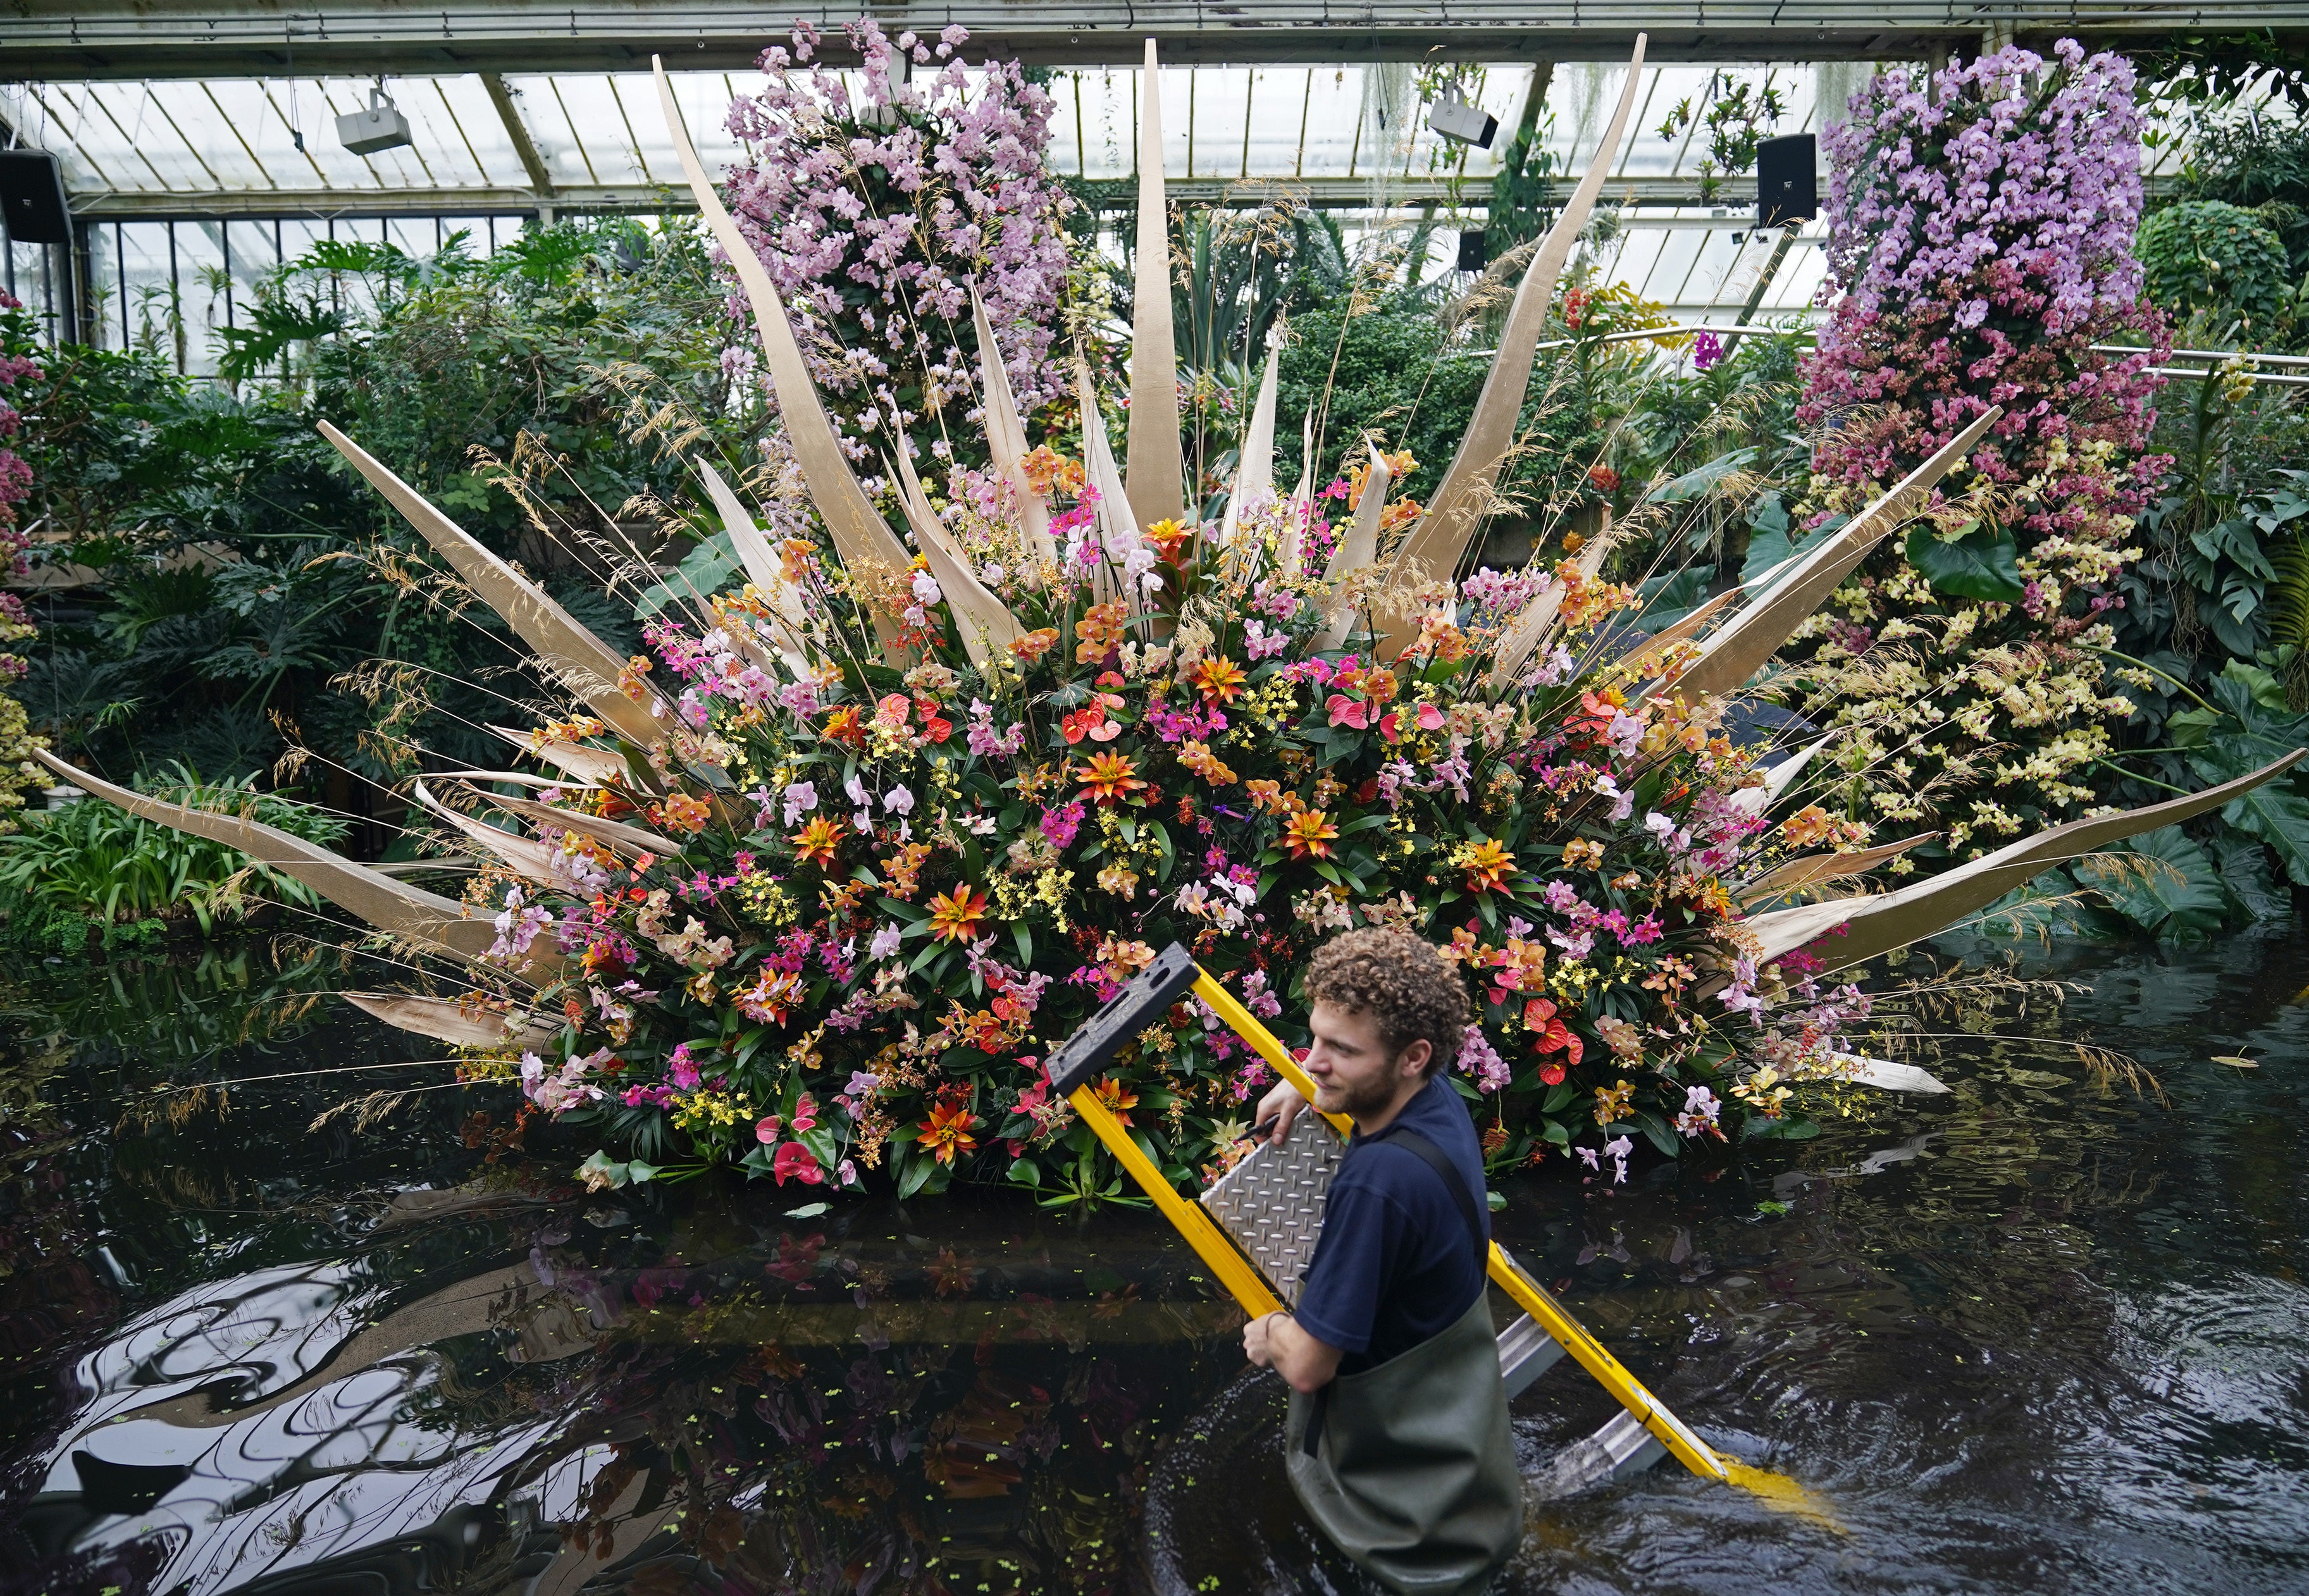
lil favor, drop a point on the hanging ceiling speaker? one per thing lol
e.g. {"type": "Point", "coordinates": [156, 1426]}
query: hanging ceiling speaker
{"type": "Point", "coordinates": [380, 127]}
{"type": "Point", "coordinates": [32, 197]}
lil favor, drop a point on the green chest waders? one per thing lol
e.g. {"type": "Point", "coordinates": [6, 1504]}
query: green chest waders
{"type": "Point", "coordinates": [1409, 1467]}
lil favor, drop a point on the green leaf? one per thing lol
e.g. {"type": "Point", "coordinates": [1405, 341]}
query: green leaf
{"type": "Point", "coordinates": [1024, 936]}
{"type": "Point", "coordinates": [1656, 1130]}
{"type": "Point", "coordinates": [2278, 816]}
{"type": "Point", "coordinates": [708, 569]}
{"type": "Point", "coordinates": [2160, 881]}
{"type": "Point", "coordinates": [1982, 564]}
{"type": "Point", "coordinates": [2244, 865]}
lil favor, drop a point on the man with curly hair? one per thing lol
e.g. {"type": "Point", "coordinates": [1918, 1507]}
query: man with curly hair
{"type": "Point", "coordinates": [1399, 1444]}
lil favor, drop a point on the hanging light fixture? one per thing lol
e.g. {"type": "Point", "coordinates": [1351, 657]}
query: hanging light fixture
{"type": "Point", "coordinates": [1461, 121]}
{"type": "Point", "coordinates": [380, 127]}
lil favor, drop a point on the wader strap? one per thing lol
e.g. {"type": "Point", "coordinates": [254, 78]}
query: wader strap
{"type": "Point", "coordinates": [1412, 1141]}
{"type": "Point", "coordinates": [1438, 1160]}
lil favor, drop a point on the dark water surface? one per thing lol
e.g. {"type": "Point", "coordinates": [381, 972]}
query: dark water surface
{"type": "Point", "coordinates": [2040, 1335]}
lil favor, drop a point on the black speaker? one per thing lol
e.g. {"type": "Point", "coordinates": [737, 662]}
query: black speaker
{"type": "Point", "coordinates": [32, 197]}
{"type": "Point", "coordinates": [1472, 256]}
{"type": "Point", "coordinates": [1787, 180]}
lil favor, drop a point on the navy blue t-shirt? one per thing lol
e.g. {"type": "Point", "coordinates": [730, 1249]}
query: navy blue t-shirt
{"type": "Point", "coordinates": [1394, 1265]}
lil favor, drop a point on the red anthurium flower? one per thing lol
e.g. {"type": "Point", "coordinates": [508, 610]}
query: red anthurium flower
{"type": "Point", "coordinates": [798, 1163]}
{"type": "Point", "coordinates": [1348, 712]}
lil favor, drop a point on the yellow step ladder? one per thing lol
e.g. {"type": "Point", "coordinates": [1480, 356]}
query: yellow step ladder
{"type": "Point", "coordinates": [1641, 1433]}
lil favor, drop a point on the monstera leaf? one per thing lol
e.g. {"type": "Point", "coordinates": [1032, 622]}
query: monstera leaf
{"type": "Point", "coordinates": [2249, 731]}
{"type": "Point", "coordinates": [2161, 881]}
{"type": "Point", "coordinates": [1982, 564]}
{"type": "Point", "coordinates": [2244, 875]}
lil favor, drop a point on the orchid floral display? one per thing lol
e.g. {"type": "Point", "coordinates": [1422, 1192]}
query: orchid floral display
{"type": "Point", "coordinates": [813, 885]}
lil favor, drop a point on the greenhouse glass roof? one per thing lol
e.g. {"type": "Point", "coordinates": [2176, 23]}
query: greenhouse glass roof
{"type": "Point", "coordinates": [161, 167]}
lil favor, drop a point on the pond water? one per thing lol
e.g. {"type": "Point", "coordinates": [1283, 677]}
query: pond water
{"type": "Point", "coordinates": [2040, 1335]}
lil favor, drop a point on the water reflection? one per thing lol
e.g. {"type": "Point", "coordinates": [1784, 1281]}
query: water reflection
{"type": "Point", "coordinates": [2038, 1334]}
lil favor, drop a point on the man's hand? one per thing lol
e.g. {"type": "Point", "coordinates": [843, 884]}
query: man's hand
{"type": "Point", "coordinates": [1283, 1104]}
{"type": "Point", "coordinates": [1275, 1341]}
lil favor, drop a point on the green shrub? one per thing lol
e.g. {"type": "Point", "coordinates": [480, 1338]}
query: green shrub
{"type": "Point", "coordinates": [2210, 256]}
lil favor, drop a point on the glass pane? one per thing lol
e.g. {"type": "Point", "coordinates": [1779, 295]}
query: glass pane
{"type": "Point", "coordinates": [204, 290]}
{"type": "Point", "coordinates": [104, 285]}
{"type": "Point", "coordinates": [413, 236]}
{"type": "Point", "coordinates": [149, 294]}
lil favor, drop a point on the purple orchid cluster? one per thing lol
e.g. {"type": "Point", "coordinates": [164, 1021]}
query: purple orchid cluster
{"type": "Point", "coordinates": [1980, 242]}
{"type": "Point", "coordinates": [875, 204]}
{"type": "Point", "coordinates": [2007, 161]}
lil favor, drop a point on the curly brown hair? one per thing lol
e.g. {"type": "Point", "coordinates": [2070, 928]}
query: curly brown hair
{"type": "Point", "coordinates": [1398, 980]}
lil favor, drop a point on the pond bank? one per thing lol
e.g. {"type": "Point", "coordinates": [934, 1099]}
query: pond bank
{"type": "Point", "coordinates": [2038, 1334]}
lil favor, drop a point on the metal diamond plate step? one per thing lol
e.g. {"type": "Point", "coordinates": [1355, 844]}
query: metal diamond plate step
{"type": "Point", "coordinates": [1272, 1204]}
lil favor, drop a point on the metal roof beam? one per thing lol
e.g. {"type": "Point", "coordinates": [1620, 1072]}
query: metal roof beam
{"type": "Point", "coordinates": [131, 38]}
{"type": "Point", "coordinates": [541, 177]}
{"type": "Point", "coordinates": [1324, 194]}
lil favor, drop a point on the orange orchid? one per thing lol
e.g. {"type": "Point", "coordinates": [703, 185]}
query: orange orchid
{"type": "Point", "coordinates": [844, 726]}
{"type": "Point", "coordinates": [1109, 777]}
{"type": "Point", "coordinates": [1219, 680]}
{"type": "Point", "coordinates": [946, 1131]}
{"type": "Point", "coordinates": [954, 916]}
{"type": "Point", "coordinates": [682, 813]}
{"type": "Point", "coordinates": [1197, 757]}
{"type": "Point", "coordinates": [1310, 831]}
{"type": "Point", "coordinates": [1031, 647]}
{"type": "Point", "coordinates": [817, 842]}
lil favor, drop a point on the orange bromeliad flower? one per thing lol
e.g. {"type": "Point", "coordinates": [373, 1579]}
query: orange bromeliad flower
{"type": "Point", "coordinates": [1169, 538]}
{"type": "Point", "coordinates": [1109, 777]}
{"type": "Point", "coordinates": [946, 1131]}
{"type": "Point", "coordinates": [1219, 680]}
{"type": "Point", "coordinates": [1115, 1098]}
{"type": "Point", "coordinates": [1488, 866]}
{"type": "Point", "coordinates": [954, 917]}
{"type": "Point", "coordinates": [815, 843]}
{"type": "Point", "coordinates": [1309, 830]}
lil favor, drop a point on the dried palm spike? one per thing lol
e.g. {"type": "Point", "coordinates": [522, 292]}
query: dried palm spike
{"type": "Point", "coordinates": [982, 619]}
{"type": "Point", "coordinates": [593, 766]}
{"type": "Point", "coordinates": [524, 856]}
{"type": "Point", "coordinates": [1006, 437]}
{"type": "Point", "coordinates": [764, 569]}
{"type": "Point", "coordinates": [448, 1021]}
{"type": "Point", "coordinates": [611, 833]}
{"type": "Point", "coordinates": [409, 912]}
{"type": "Point", "coordinates": [1156, 468]}
{"type": "Point", "coordinates": [1460, 500]}
{"type": "Point", "coordinates": [1817, 868]}
{"type": "Point", "coordinates": [589, 666]}
{"type": "Point", "coordinates": [1878, 925]}
{"type": "Point", "coordinates": [1737, 651]}
{"type": "Point", "coordinates": [1254, 473]}
{"type": "Point", "coordinates": [1358, 548]}
{"type": "Point", "coordinates": [860, 536]}
{"type": "Point", "coordinates": [1118, 527]}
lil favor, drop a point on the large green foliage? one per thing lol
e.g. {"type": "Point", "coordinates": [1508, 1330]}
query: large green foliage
{"type": "Point", "coordinates": [246, 576]}
{"type": "Point", "coordinates": [2211, 259]}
